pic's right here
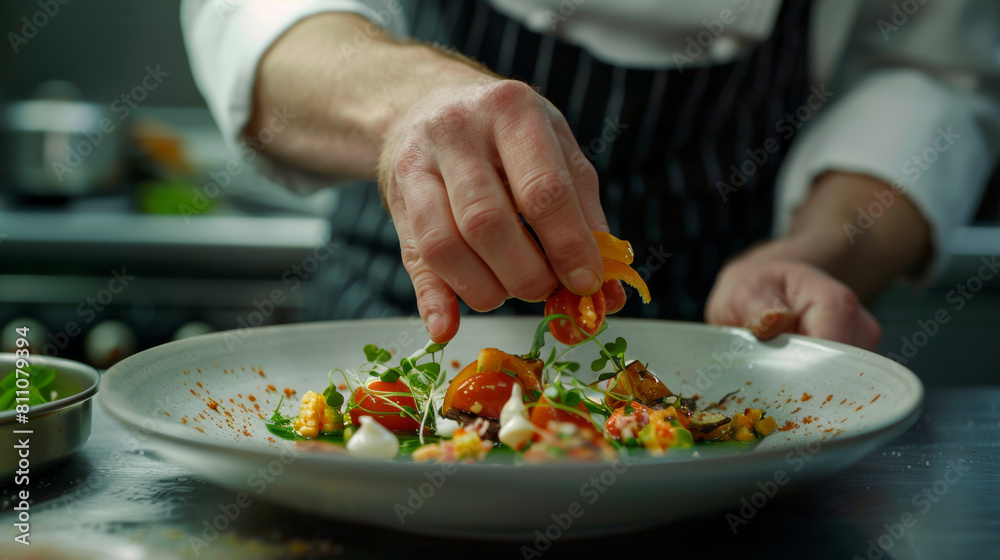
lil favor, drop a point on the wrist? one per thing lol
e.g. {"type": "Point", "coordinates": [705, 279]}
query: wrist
{"type": "Point", "coordinates": [825, 233]}
{"type": "Point", "coordinates": [829, 253]}
{"type": "Point", "coordinates": [423, 71]}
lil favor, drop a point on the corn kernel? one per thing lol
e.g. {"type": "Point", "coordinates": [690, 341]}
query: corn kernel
{"type": "Point", "coordinates": [315, 416]}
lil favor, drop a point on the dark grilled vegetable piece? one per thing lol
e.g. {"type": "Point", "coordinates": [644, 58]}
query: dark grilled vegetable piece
{"type": "Point", "coordinates": [639, 384]}
{"type": "Point", "coordinates": [708, 425]}
{"type": "Point", "coordinates": [467, 419]}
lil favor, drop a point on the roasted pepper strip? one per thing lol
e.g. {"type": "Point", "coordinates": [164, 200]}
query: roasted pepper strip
{"type": "Point", "coordinates": [613, 249]}
{"type": "Point", "coordinates": [614, 270]}
{"type": "Point", "coordinates": [528, 372]}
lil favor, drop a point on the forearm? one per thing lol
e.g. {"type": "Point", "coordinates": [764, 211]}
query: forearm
{"type": "Point", "coordinates": [346, 93]}
{"type": "Point", "coordinates": [866, 255]}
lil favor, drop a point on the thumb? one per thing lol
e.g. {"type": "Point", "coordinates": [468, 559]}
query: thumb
{"type": "Point", "coordinates": [841, 318]}
{"type": "Point", "coordinates": [772, 322]}
{"type": "Point", "coordinates": [763, 307]}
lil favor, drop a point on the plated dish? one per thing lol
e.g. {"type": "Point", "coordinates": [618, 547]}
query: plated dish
{"type": "Point", "coordinates": [840, 402]}
{"type": "Point", "coordinates": [517, 406]}
{"type": "Point", "coordinates": [537, 408]}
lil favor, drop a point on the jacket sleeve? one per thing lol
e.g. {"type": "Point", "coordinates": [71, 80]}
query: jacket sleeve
{"type": "Point", "coordinates": [225, 40]}
{"type": "Point", "coordinates": [915, 103]}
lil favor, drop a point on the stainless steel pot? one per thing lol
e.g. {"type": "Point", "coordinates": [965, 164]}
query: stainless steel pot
{"type": "Point", "coordinates": [59, 147]}
{"type": "Point", "coordinates": [59, 427]}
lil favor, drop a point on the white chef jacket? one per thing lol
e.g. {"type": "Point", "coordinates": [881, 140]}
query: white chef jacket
{"type": "Point", "coordinates": [913, 86]}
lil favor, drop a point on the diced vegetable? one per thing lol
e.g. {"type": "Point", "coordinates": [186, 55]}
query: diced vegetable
{"type": "Point", "coordinates": [743, 434]}
{"type": "Point", "coordinates": [765, 426]}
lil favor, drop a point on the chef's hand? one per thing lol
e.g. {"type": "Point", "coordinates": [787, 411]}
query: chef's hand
{"type": "Point", "coordinates": [772, 297]}
{"type": "Point", "coordinates": [812, 280]}
{"type": "Point", "coordinates": [461, 155]}
{"type": "Point", "coordinates": [458, 168]}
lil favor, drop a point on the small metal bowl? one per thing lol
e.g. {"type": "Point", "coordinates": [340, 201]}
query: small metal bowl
{"type": "Point", "coordinates": [59, 427]}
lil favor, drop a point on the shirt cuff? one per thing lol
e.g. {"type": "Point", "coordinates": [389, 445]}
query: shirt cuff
{"type": "Point", "coordinates": [904, 128]}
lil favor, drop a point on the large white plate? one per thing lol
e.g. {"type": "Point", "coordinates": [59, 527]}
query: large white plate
{"type": "Point", "coordinates": [836, 402]}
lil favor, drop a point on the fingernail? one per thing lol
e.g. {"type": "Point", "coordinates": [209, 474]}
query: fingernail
{"type": "Point", "coordinates": [584, 281]}
{"type": "Point", "coordinates": [435, 325]}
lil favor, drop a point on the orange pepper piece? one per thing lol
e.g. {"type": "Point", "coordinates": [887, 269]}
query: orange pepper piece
{"type": "Point", "coordinates": [613, 249]}
{"type": "Point", "coordinates": [615, 270]}
{"type": "Point", "coordinates": [491, 359]}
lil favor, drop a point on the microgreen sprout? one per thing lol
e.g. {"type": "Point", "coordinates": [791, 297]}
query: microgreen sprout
{"type": "Point", "coordinates": [422, 380]}
{"type": "Point", "coordinates": [613, 352]}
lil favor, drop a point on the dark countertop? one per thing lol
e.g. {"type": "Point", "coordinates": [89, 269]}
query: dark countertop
{"type": "Point", "coordinates": [932, 493]}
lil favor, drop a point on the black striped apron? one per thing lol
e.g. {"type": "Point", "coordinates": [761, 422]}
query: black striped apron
{"type": "Point", "coordinates": [680, 154]}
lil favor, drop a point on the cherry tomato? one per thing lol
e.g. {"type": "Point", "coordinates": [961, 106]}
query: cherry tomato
{"type": "Point", "coordinates": [543, 413]}
{"type": "Point", "coordinates": [586, 311]}
{"type": "Point", "coordinates": [370, 401]}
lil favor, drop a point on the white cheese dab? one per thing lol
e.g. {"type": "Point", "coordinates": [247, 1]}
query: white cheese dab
{"type": "Point", "coordinates": [515, 427]}
{"type": "Point", "coordinates": [373, 441]}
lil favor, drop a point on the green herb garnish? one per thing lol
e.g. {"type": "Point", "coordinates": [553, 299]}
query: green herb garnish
{"type": "Point", "coordinates": [38, 378]}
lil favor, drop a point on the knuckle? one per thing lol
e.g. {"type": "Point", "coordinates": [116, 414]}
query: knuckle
{"type": "Point", "coordinates": [410, 254]}
{"type": "Point", "coordinates": [395, 205]}
{"type": "Point", "coordinates": [409, 161]}
{"type": "Point", "coordinates": [533, 287]}
{"type": "Point", "coordinates": [511, 93]}
{"type": "Point", "coordinates": [567, 249]}
{"type": "Point", "coordinates": [392, 200]}
{"type": "Point", "coordinates": [480, 220]}
{"type": "Point", "coordinates": [584, 167]}
{"type": "Point", "coordinates": [544, 194]}
{"type": "Point", "coordinates": [435, 245]}
{"type": "Point", "coordinates": [425, 286]}
{"type": "Point", "coordinates": [447, 123]}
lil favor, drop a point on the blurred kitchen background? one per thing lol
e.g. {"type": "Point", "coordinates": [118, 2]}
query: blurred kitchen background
{"type": "Point", "coordinates": [131, 246]}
